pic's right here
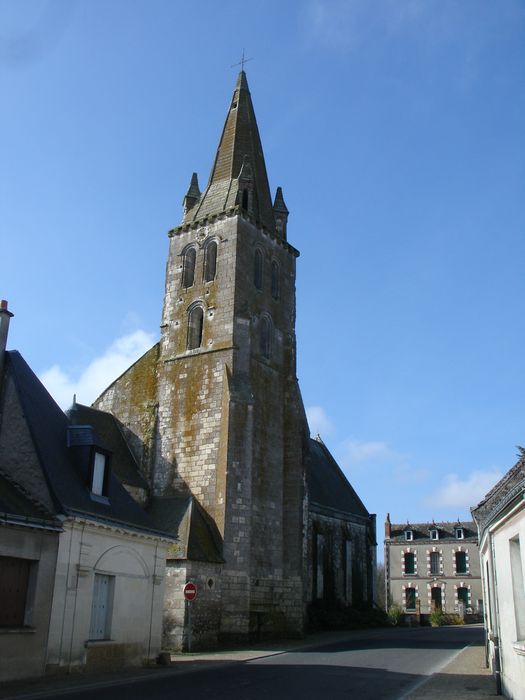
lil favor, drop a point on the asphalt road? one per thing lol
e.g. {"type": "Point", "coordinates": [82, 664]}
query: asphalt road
{"type": "Point", "coordinates": [385, 664]}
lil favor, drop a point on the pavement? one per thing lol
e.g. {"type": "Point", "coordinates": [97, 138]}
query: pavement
{"type": "Point", "coordinates": [465, 677]}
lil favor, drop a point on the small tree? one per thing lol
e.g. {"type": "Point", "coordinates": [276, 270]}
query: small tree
{"type": "Point", "coordinates": [395, 615]}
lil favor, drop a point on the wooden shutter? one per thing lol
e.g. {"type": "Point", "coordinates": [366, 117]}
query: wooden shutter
{"type": "Point", "coordinates": [14, 579]}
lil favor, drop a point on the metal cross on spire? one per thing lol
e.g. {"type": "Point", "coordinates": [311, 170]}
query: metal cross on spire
{"type": "Point", "coordinates": [242, 61]}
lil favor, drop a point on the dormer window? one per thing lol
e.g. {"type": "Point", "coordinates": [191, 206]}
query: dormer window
{"type": "Point", "coordinates": [460, 534]}
{"type": "Point", "coordinates": [434, 534]}
{"type": "Point", "coordinates": [93, 459]}
{"type": "Point", "coordinates": [409, 535]}
{"type": "Point", "coordinates": [98, 476]}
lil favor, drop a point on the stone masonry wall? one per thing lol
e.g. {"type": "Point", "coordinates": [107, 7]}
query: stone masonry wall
{"type": "Point", "coordinates": [132, 398]}
{"type": "Point", "coordinates": [345, 580]}
{"type": "Point", "coordinates": [263, 500]}
{"type": "Point", "coordinates": [191, 424]}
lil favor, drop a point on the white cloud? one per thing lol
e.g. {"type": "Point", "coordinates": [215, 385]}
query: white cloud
{"type": "Point", "coordinates": [318, 421]}
{"type": "Point", "coordinates": [99, 373]}
{"type": "Point", "coordinates": [333, 23]}
{"type": "Point", "coordinates": [360, 25]}
{"type": "Point", "coordinates": [356, 451]}
{"type": "Point", "coordinates": [388, 464]}
{"type": "Point", "coordinates": [464, 492]}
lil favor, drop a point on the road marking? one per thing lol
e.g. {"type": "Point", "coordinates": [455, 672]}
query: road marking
{"type": "Point", "coordinates": [432, 673]}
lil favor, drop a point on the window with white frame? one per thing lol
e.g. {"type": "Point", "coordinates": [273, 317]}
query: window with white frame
{"type": "Point", "coordinates": [518, 586]}
{"type": "Point", "coordinates": [410, 598]}
{"type": "Point", "coordinates": [435, 563]}
{"type": "Point", "coordinates": [463, 595]}
{"type": "Point", "coordinates": [409, 563]}
{"type": "Point", "coordinates": [461, 562]}
{"type": "Point", "coordinates": [98, 474]}
{"type": "Point", "coordinates": [460, 533]}
{"type": "Point", "coordinates": [409, 535]}
{"type": "Point", "coordinates": [434, 534]}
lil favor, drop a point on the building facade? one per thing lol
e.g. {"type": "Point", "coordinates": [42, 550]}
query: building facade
{"type": "Point", "coordinates": [29, 537]}
{"type": "Point", "coordinates": [214, 415]}
{"type": "Point", "coordinates": [431, 566]}
{"type": "Point", "coordinates": [81, 563]}
{"type": "Point", "coordinates": [500, 518]}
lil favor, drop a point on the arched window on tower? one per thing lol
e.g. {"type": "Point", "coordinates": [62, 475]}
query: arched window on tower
{"type": "Point", "coordinates": [265, 336]}
{"type": "Point", "coordinates": [245, 200]}
{"type": "Point", "coordinates": [258, 269]}
{"type": "Point", "coordinates": [188, 267]}
{"type": "Point", "coordinates": [210, 261]}
{"type": "Point", "coordinates": [275, 280]}
{"type": "Point", "coordinates": [195, 325]}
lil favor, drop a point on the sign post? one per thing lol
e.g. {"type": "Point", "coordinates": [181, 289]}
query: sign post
{"type": "Point", "coordinates": [190, 593]}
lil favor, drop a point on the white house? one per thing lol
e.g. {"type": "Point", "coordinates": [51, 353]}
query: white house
{"type": "Point", "coordinates": [500, 518]}
{"type": "Point", "coordinates": [81, 563]}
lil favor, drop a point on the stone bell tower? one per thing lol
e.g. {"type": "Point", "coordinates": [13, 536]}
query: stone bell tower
{"type": "Point", "coordinates": [231, 426]}
{"type": "Point", "coordinates": [213, 412]}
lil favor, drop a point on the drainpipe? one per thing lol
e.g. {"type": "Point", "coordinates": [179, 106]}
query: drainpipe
{"type": "Point", "coordinates": [495, 632]}
{"type": "Point", "coordinates": [5, 317]}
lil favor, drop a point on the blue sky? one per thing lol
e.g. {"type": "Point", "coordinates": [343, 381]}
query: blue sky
{"type": "Point", "coordinates": [396, 131]}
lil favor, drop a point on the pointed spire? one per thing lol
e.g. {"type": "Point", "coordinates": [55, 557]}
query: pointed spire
{"type": "Point", "coordinates": [280, 211]}
{"type": "Point", "coordinates": [192, 195]}
{"type": "Point", "coordinates": [5, 317]}
{"type": "Point", "coordinates": [242, 83]}
{"type": "Point", "coordinates": [240, 142]}
{"type": "Point", "coordinates": [278, 204]}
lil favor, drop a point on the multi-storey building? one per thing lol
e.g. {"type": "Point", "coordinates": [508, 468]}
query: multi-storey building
{"type": "Point", "coordinates": [432, 566]}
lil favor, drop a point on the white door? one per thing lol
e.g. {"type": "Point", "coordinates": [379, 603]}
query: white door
{"type": "Point", "coordinates": [101, 607]}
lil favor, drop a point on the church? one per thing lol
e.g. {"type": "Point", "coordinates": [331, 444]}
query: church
{"type": "Point", "coordinates": [265, 523]}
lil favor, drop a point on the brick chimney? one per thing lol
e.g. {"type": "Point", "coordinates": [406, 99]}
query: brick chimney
{"type": "Point", "coordinates": [5, 317]}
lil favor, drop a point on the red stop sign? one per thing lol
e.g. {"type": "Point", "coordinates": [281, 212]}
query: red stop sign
{"type": "Point", "coordinates": [190, 591]}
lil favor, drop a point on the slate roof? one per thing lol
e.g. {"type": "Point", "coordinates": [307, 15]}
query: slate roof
{"type": "Point", "coordinates": [240, 143]}
{"type": "Point", "coordinates": [123, 461]}
{"type": "Point", "coordinates": [59, 467]}
{"type": "Point", "coordinates": [502, 495]}
{"type": "Point", "coordinates": [17, 506]}
{"type": "Point", "coordinates": [198, 536]}
{"type": "Point", "coordinates": [447, 531]}
{"type": "Point", "coordinates": [328, 486]}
